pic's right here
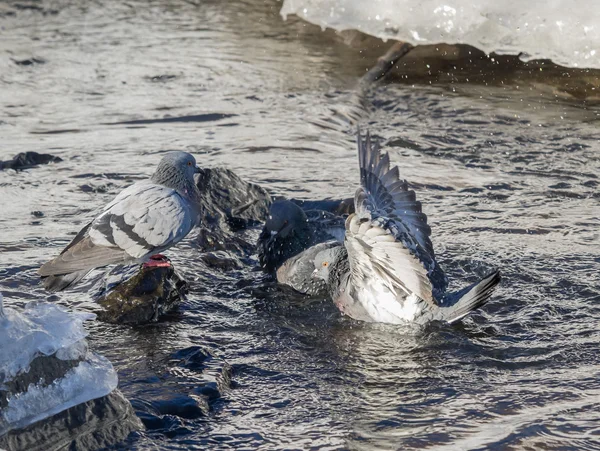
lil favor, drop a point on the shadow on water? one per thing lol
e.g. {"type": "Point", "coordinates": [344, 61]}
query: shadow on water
{"type": "Point", "coordinates": [506, 180]}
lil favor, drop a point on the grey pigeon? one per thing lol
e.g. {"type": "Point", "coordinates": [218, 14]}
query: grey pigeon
{"type": "Point", "coordinates": [143, 220]}
{"type": "Point", "coordinates": [288, 231]}
{"type": "Point", "coordinates": [386, 270]}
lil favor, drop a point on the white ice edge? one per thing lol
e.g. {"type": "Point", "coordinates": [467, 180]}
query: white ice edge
{"type": "Point", "coordinates": [92, 378]}
{"type": "Point", "coordinates": [565, 31]}
{"type": "Point", "coordinates": [40, 329]}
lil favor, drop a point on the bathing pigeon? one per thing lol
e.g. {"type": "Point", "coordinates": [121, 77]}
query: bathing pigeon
{"type": "Point", "coordinates": [386, 270]}
{"type": "Point", "coordinates": [143, 220]}
{"type": "Point", "coordinates": [288, 231]}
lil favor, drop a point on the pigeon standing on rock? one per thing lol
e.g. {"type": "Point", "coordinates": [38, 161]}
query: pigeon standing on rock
{"type": "Point", "coordinates": [386, 270]}
{"type": "Point", "coordinates": [143, 220]}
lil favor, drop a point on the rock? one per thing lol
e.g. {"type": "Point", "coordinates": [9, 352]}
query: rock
{"type": "Point", "coordinates": [212, 378]}
{"type": "Point", "coordinates": [143, 297]}
{"type": "Point", "coordinates": [336, 206]}
{"type": "Point", "coordinates": [226, 197]}
{"type": "Point", "coordinates": [95, 424]}
{"type": "Point", "coordinates": [26, 160]}
{"type": "Point", "coordinates": [220, 260]}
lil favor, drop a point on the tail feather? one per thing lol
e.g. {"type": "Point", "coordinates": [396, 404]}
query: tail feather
{"type": "Point", "coordinates": [470, 298]}
{"type": "Point", "coordinates": [60, 282]}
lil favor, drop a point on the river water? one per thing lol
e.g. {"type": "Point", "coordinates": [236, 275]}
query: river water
{"type": "Point", "coordinates": [509, 179]}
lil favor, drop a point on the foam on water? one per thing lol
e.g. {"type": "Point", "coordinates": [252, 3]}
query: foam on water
{"type": "Point", "coordinates": [567, 32]}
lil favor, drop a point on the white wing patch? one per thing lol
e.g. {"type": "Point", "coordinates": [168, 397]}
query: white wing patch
{"type": "Point", "coordinates": [390, 281]}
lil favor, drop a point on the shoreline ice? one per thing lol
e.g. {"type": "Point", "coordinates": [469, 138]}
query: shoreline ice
{"type": "Point", "coordinates": [567, 32]}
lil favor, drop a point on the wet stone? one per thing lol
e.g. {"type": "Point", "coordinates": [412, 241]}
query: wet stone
{"type": "Point", "coordinates": [95, 424]}
{"type": "Point", "coordinates": [26, 160]}
{"type": "Point", "coordinates": [211, 378]}
{"type": "Point", "coordinates": [144, 297]}
{"type": "Point", "coordinates": [220, 260]}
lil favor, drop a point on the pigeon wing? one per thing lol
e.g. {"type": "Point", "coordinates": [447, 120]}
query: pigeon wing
{"type": "Point", "coordinates": [375, 254]}
{"type": "Point", "coordinates": [384, 195]}
{"type": "Point", "coordinates": [144, 219]}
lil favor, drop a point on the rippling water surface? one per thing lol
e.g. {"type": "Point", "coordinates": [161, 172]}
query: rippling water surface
{"type": "Point", "coordinates": [508, 178]}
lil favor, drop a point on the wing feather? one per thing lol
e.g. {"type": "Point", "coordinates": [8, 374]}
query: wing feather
{"type": "Point", "coordinates": [387, 199]}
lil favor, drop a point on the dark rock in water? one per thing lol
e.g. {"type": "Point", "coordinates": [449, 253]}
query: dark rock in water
{"type": "Point", "coordinates": [220, 260]}
{"type": "Point", "coordinates": [95, 424]}
{"type": "Point", "coordinates": [144, 297]}
{"type": "Point", "coordinates": [228, 198]}
{"type": "Point", "coordinates": [29, 61]}
{"type": "Point", "coordinates": [216, 239]}
{"type": "Point", "coordinates": [212, 378]}
{"type": "Point", "coordinates": [336, 206]}
{"type": "Point", "coordinates": [26, 160]}
{"type": "Point", "coordinates": [216, 372]}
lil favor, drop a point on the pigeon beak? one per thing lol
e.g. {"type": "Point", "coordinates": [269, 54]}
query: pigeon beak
{"type": "Point", "coordinates": [197, 170]}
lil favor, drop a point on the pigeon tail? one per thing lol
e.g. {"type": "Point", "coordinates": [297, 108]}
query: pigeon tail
{"type": "Point", "coordinates": [468, 299]}
{"type": "Point", "coordinates": [61, 282]}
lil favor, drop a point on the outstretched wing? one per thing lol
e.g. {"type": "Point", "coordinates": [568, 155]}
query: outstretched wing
{"type": "Point", "coordinates": [388, 237]}
{"type": "Point", "coordinates": [144, 219]}
{"type": "Point", "coordinates": [384, 195]}
{"type": "Point", "coordinates": [377, 257]}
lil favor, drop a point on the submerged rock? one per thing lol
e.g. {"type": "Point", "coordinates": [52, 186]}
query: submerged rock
{"type": "Point", "coordinates": [143, 297]}
{"type": "Point", "coordinates": [26, 160]}
{"type": "Point", "coordinates": [212, 378]}
{"type": "Point", "coordinates": [54, 392]}
{"type": "Point", "coordinates": [91, 425]}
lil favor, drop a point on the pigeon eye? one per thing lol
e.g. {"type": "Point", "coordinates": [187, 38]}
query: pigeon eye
{"type": "Point", "coordinates": [325, 264]}
{"type": "Point", "coordinates": [189, 163]}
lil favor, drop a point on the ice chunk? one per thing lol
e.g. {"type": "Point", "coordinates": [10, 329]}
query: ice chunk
{"type": "Point", "coordinates": [49, 330]}
{"type": "Point", "coordinates": [40, 329]}
{"type": "Point", "coordinates": [92, 378]}
{"type": "Point", "coordinates": [565, 31]}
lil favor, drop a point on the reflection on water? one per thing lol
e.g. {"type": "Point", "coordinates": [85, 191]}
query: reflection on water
{"type": "Point", "coordinates": [507, 180]}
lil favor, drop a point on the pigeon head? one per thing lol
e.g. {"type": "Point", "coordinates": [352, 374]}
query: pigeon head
{"type": "Point", "coordinates": [323, 263]}
{"type": "Point", "coordinates": [284, 218]}
{"type": "Point", "coordinates": [176, 170]}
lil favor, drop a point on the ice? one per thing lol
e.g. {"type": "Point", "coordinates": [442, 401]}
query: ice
{"type": "Point", "coordinates": [565, 31]}
{"type": "Point", "coordinates": [47, 329]}
{"type": "Point", "coordinates": [92, 378]}
{"type": "Point", "coordinates": [40, 329]}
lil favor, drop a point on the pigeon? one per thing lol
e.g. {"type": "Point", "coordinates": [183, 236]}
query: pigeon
{"type": "Point", "coordinates": [288, 231]}
{"type": "Point", "coordinates": [143, 220]}
{"type": "Point", "coordinates": [386, 271]}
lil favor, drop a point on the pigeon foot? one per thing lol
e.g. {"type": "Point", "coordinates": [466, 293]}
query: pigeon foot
{"type": "Point", "coordinates": [157, 261]}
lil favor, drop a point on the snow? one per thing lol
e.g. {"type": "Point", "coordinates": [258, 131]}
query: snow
{"type": "Point", "coordinates": [48, 329]}
{"type": "Point", "coordinates": [565, 31]}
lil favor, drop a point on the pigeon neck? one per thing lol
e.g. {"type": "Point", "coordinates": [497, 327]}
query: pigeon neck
{"type": "Point", "coordinates": [338, 268]}
{"type": "Point", "coordinates": [186, 188]}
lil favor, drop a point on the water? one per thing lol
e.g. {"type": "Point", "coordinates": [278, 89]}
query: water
{"type": "Point", "coordinates": [508, 179]}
